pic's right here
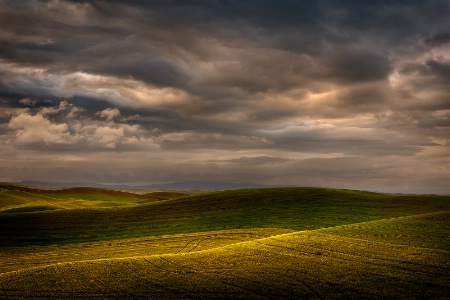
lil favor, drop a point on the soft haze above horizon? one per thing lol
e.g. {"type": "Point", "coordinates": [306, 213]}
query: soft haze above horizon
{"type": "Point", "coordinates": [350, 94]}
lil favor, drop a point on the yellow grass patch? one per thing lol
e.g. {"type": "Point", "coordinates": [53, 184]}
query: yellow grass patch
{"type": "Point", "coordinates": [301, 265]}
{"type": "Point", "coordinates": [20, 258]}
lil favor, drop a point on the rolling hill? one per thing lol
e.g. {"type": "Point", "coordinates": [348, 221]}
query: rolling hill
{"type": "Point", "coordinates": [308, 243]}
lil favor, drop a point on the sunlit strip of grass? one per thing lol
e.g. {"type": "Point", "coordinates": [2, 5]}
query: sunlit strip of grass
{"type": "Point", "coordinates": [299, 265]}
{"type": "Point", "coordinates": [28, 257]}
{"type": "Point", "coordinates": [430, 230]}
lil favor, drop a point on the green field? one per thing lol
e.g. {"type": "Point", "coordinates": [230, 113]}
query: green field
{"type": "Point", "coordinates": [304, 243]}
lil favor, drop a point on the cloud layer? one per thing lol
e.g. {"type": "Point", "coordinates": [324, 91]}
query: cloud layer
{"type": "Point", "coordinates": [329, 93]}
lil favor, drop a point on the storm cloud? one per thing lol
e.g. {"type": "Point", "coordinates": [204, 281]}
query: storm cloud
{"type": "Point", "coordinates": [328, 93]}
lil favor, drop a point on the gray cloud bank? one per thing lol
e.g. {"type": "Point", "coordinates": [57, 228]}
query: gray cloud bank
{"type": "Point", "coordinates": [351, 94]}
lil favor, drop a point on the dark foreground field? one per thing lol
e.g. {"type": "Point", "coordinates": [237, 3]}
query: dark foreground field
{"type": "Point", "coordinates": [306, 243]}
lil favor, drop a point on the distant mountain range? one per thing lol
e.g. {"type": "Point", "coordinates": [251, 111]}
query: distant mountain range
{"type": "Point", "coordinates": [178, 185]}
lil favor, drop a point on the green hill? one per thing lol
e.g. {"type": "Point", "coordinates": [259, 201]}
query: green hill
{"type": "Point", "coordinates": [280, 243]}
{"type": "Point", "coordinates": [19, 198]}
{"type": "Point", "coordinates": [290, 208]}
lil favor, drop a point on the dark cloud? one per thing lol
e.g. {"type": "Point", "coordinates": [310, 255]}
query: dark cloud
{"type": "Point", "coordinates": [358, 66]}
{"type": "Point", "coordinates": [295, 92]}
{"type": "Point", "coordinates": [438, 39]}
{"type": "Point", "coordinates": [157, 71]}
{"type": "Point", "coordinates": [258, 160]}
{"type": "Point", "coordinates": [359, 141]}
{"type": "Point", "coordinates": [440, 69]}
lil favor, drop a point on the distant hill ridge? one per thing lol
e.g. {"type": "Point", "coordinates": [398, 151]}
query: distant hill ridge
{"type": "Point", "coordinates": [93, 191]}
{"type": "Point", "coordinates": [178, 185]}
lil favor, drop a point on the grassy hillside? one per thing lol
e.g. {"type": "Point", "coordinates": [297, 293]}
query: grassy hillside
{"type": "Point", "coordinates": [14, 259]}
{"type": "Point", "coordinates": [431, 230]}
{"type": "Point", "coordinates": [14, 197]}
{"type": "Point", "coordinates": [290, 208]}
{"type": "Point", "coordinates": [298, 265]}
{"type": "Point", "coordinates": [307, 243]}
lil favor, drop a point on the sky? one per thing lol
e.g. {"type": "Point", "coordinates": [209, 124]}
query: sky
{"type": "Point", "coordinates": [338, 93]}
